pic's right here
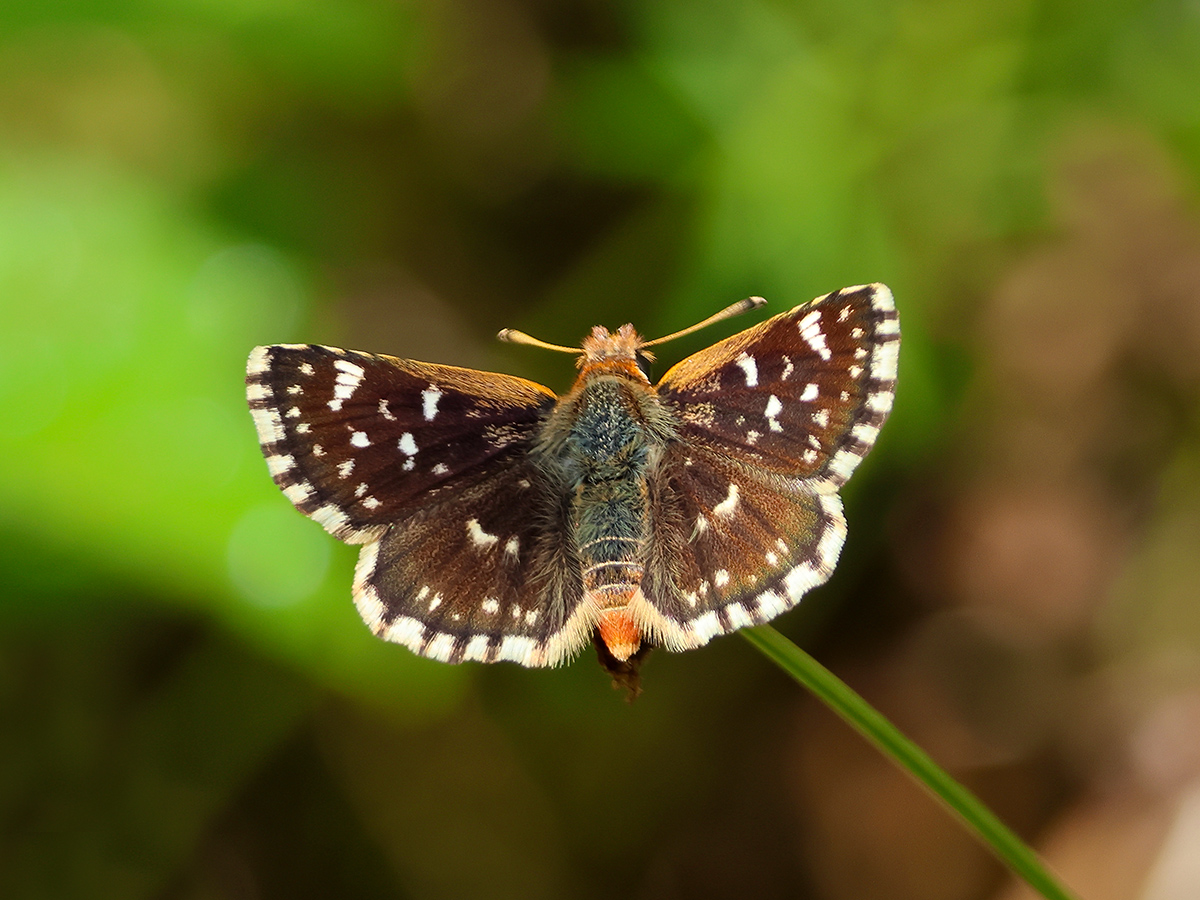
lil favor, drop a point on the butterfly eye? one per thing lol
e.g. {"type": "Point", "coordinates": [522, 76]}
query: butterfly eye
{"type": "Point", "coordinates": [644, 362]}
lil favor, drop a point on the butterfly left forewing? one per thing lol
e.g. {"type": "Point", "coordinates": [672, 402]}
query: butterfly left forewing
{"type": "Point", "coordinates": [358, 440]}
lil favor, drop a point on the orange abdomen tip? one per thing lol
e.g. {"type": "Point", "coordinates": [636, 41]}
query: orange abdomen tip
{"type": "Point", "coordinates": [619, 633]}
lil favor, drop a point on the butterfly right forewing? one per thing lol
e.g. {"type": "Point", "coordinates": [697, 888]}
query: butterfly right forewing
{"type": "Point", "coordinates": [803, 393]}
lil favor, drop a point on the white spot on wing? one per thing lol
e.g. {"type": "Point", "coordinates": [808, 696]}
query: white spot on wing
{"type": "Point", "coordinates": [880, 402]}
{"type": "Point", "coordinates": [300, 492]}
{"type": "Point", "coordinates": [721, 578]}
{"type": "Point", "coordinates": [440, 648]}
{"type": "Point", "coordinates": [345, 468]}
{"type": "Point", "coordinates": [750, 367]}
{"type": "Point", "coordinates": [490, 606]}
{"type": "Point", "coordinates": [704, 628]}
{"type": "Point", "coordinates": [774, 408]}
{"type": "Point", "coordinates": [477, 648]}
{"type": "Point", "coordinates": [479, 537]}
{"type": "Point", "coordinates": [517, 649]}
{"type": "Point", "coordinates": [737, 615]}
{"type": "Point", "coordinates": [385, 412]}
{"type": "Point", "coordinates": [407, 445]}
{"type": "Point", "coordinates": [429, 402]}
{"type": "Point", "coordinates": [360, 439]}
{"type": "Point", "coordinates": [810, 331]}
{"type": "Point", "coordinates": [821, 418]}
{"type": "Point", "coordinates": [330, 518]}
{"type": "Point", "coordinates": [729, 504]}
{"type": "Point", "coordinates": [348, 379]}
{"type": "Point", "coordinates": [259, 361]}
{"type": "Point", "coordinates": [268, 424]}
{"type": "Point", "coordinates": [810, 392]}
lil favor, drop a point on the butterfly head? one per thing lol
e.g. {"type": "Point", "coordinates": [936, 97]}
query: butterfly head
{"type": "Point", "coordinates": [624, 350]}
{"type": "Point", "coordinates": [615, 351]}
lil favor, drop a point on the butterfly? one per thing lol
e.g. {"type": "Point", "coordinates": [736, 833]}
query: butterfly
{"type": "Point", "coordinates": [499, 521]}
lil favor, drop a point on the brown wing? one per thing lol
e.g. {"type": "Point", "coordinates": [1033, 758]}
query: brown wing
{"type": "Point", "coordinates": [804, 393]}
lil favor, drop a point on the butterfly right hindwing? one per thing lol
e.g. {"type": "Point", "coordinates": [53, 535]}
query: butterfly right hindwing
{"type": "Point", "coordinates": [734, 545]}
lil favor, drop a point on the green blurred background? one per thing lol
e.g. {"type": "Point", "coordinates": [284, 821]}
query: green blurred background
{"type": "Point", "coordinates": [190, 706]}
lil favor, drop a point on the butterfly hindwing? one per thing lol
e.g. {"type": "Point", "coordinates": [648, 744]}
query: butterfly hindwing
{"type": "Point", "coordinates": [358, 440]}
{"type": "Point", "coordinates": [484, 572]}
{"type": "Point", "coordinates": [804, 393]}
{"type": "Point", "coordinates": [734, 545]}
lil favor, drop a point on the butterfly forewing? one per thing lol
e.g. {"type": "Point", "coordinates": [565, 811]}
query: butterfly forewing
{"type": "Point", "coordinates": [358, 441]}
{"type": "Point", "coordinates": [803, 393]}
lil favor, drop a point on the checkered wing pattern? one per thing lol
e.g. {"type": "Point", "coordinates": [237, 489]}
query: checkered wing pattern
{"type": "Point", "coordinates": [773, 421]}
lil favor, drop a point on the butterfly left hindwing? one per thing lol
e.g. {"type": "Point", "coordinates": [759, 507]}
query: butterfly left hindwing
{"type": "Point", "coordinates": [484, 572]}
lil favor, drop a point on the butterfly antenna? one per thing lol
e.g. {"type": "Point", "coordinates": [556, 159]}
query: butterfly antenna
{"type": "Point", "coordinates": [727, 313]}
{"type": "Point", "coordinates": [512, 336]}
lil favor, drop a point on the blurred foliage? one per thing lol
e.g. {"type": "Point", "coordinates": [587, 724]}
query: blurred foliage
{"type": "Point", "coordinates": [190, 704]}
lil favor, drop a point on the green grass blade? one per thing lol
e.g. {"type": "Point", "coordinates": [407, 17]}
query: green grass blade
{"type": "Point", "coordinates": [872, 725]}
